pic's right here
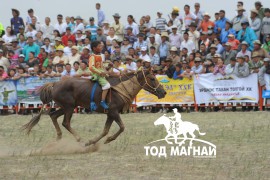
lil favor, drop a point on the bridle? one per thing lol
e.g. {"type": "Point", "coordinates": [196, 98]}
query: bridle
{"type": "Point", "coordinates": [150, 89]}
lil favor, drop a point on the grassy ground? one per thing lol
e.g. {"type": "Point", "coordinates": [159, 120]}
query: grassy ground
{"type": "Point", "coordinates": [242, 141]}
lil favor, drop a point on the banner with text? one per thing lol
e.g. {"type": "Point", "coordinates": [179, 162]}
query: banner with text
{"type": "Point", "coordinates": [8, 93]}
{"type": "Point", "coordinates": [267, 81]}
{"type": "Point", "coordinates": [218, 88]}
{"type": "Point", "coordinates": [178, 92]}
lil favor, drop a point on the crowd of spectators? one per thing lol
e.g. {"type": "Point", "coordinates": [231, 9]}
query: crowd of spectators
{"type": "Point", "coordinates": [183, 45]}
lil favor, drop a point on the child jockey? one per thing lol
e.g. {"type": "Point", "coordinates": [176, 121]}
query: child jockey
{"type": "Point", "coordinates": [99, 73]}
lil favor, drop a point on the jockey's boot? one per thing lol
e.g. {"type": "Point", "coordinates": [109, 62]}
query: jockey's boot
{"type": "Point", "coordinates": [104, 105]}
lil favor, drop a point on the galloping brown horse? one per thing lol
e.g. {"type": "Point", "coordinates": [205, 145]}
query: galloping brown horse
{"type": "Point", "coordinates": [74, 92]}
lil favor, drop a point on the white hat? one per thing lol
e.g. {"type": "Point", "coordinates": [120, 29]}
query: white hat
{"type": "Point", "coordinates": [146, 59]}
{"type": "Point", "coordinates": [144, 48]}
{"type": "Point", "coordinates": [105, 22]}
{"type": "Point", "coordinates": [174, 27]}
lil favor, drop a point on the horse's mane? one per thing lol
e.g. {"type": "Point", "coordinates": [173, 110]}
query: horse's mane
{"type": "Point", "coordinates": [116, 80]}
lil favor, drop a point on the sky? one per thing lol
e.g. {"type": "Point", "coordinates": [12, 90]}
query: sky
{"type": "Point", "coordinates": [137, 8]}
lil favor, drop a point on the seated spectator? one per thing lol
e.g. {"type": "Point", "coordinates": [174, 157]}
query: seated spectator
{"type": "Point", "coordinates": [226, 31]}
{"type": "Point", "coordinates": [228, 53]}
{"type": "Point", "coordinates": [169, 68]}
{"type": "Point", "coordinates": [257, 48]}
{"type": "Point", "coordinates": [184, 54]}
{"type": "Point", "coordinates": [32, 59]}
{"type": "Point", "coordinates": [144, 55]}
{"type": "Point", "coordinates": [203, 51]}
{"type": "Point", "coordinates": [22, 41]}
{"type": "Point", "coordinates": [247, 34]}
{"type": "Point", "coordinates": [67, 49]}
{"type": "Point", "coordinates": [140, 43]}
{"type": "Point", "coordinates": [125, 46]}
{"type": "Point", "coordinates": [219, 68]}
{"type": "Point", "coordinates": [246, 58]}
{"type": "Point", "coordinates": [130, 65]}
{"type": "Point", "coordinates": [31, 32]}
{"type": "Point", "coordinates": [241, 68]}
{"type": "Point", "coordinates": [45, 60]}
{"type": "Point", "coordinates": [188, 44]}
{"type": "Point", "coordinates": [36, 70]}
{"type": "Point", "coordinates": [213, 49]}
{"type": "Point", "coordinates": [117, 69]}
{"type": "Point", "coordinates": [265, 69]}
{"type": "Point", "coordinates": [13, 59]}
{"type": "Point", "coordinates": [85, 55]}
{"type": "Point", "coordinates": [147, 63]}
{"type": "Point", "coordinates": [178, 72]}
{"type": "Point", "coordinates": [68, 72]}
{"type": "Point", "coordinates": [14, 47]}
{"type": "Point", "coordinates": [20, 73]}
{"type": "Point", "coordinates": [3, 74]}
{"type": "Point", "coordinates": [152, 42]}
{"type": "Point", "coordinates": [84, 71]}
{"type": "Point", "coordinates": [76, 66]}
{"type": "Point", "coordinates": [60, 58]}
{"type": "Point", "coordinates": [100, 35]}
{"type": "Point", "coordinates": [68, 37]}
{"type": "Point", "coordinates": [188, 73]}
{"type": "Point", "coordinates": [39, 39]}
{"type": "Point", "coordinates": [184, 65]}
{"type": "Point", "coordinates": [244, 50]}
{"type": "Point", "coordinates": [234, 42]}
{"type": "Point", "coordinates": [266, 44]}
{"type": "Point", "coordinates": [208, 66]}
{"type": "Point", "coordinates": [197, 68]}
{"type": "Point", "coordinates": [190, 60]}
{"type": "Point", "coordinates": [255, 64]}
{"type": "Point", "coordinates": [4, 62]}
{"type": "Point", "coordinates": [49, 73]}
{"type": "Point", "coordinates": [75, 56]}
{"type": "Point", "coordinates": [130, 36]}
{"type": "Point", "coordinates": [154, 56]}
{"type": "Point", "coordinates": [174, 56]}
{"type": "Point", "coordinates": [59, 70]}
{"type": "Point", "coordinates": [139, 64]}
{"type": "Point", "coordinates": [30, 47]}
{"type": "Point", "coordinates": [215, 59]}
{"type": "Point", "coordinates": [219, 46]}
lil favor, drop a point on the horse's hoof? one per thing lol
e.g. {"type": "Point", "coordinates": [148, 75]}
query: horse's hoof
{"type": "Point", "coordinates": [108, 140]}
{"type": "Point", "coordinates": [89, 143]}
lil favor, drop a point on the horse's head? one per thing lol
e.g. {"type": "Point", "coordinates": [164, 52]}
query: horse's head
{"type": "Point", "coordinates": [149, 82]}
{"type": "Point", "coordinates": [162, 120]}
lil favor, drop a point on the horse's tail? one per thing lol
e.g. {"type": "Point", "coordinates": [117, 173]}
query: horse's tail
{"type": "Point", "coordinates": [45, 97]}
{"type": "Point", "coordinates": [197, 128]}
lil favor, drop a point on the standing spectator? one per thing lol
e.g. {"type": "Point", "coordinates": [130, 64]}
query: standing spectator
{"type": "Point", "coordinates": [30, 16]}
{"type": "Point", "coordinates": [230, 68]}
{"type": "Point", "coordinates": [197, 68]}
{"type": "Point", "coordinates": [47, 29]}
{"type": "Point", "coordinates": [216, 17]}
{"type": "Point", "coordinates": [258, 7]}
{"type": "Point", "coordinates": [266, 23]}
{"type": "Point", "coordinates": [189, 17]}
{"type": "Point", "coordinates": [152, 42]}
{"type": "Point", "coordinates": [100, 14]}
{"type": "Point", "coordinates": [244, 50]}
{"type": "Point", "coordinates": [213, 49]}
{"type": "Point", "coordinates": [68, 37]}
{"type": "Point", "coordinates": [257, 49]}
{"type": "Point", "coordinates": [16, 21]}
{"type": "Point", "coordinates": [21, 32]}
{"type": "Point", "coordinates": [177, 21]}
{"type": "Point", "coordinates": [241, 68]}
{"type": "Point", "coordinates": [148, 24]}
{"type": "Point", "coordinates": [164, 47]}
{"type": "Point", "coordinates": [174, 55]}
{"type": "Point", "coordinates": [133, 25]}
{"type": "Point", "coordinates": [265, 69]}
{"type": "Point", "coordinates": [118, 27]}
{"type": "Point", "coordinates": [236, 21]}
{"type": "Point", "coordinates": [71, 24]}
{"type": "Point", "coordinates": [234, 42]}
{"type": "Point", "coordinates": [169, 68]}
{"type": "Point", "coordinates": [31, 31]}
{"type": "Point", "coordinates": [78, 25]}
{"type": "Point", "coordinates": [219, 67]}
{"type": "Point", "coordinates": [194, 35]}
{"type": "Point", "coordinates": [255, 22]}
{"type": "Point", "coordinates": [220, 24]}
{"type": "Point", "coordinates": [157, 36]}
{"type": "Point", "coordinates": [228, 53]}
{"type": "Point", "coordinates": [4, 62]}
{"type": "Point", "coordinates": [199, 13]}
{"type": "Point", "coordinates": [105, 27]}
{"type": "Point", "coordinates": [31, 47]}
{"type": "Point", "coordinates": [9, 35]}
{"type": "Point", "coordinates": [255, 64]}
{"type": "Point", "coordinates": [175, 38]}
{"type": "Point", "coordinates": [206, 23]}
{"type": "Point", "coordinates": [125, 46]}
{"type": "Point", "coordinates": [226, 31]}
{"type": "Point", "coordinates": [130, 36]}
{"type": "Point", "coordinates": [93, 28]}
{"type": "Point", "coordinates": [36, 24]}
{"type": "Point", "coordinates": [155, 60]}
{"type": "Point", "coordinates": [247, 34]}
{"type": "Point", "coordinates": [161, 22]}
{"type": "Point", "coordinates": [60, 25]}
{"type": "Point", "coordinates": [266, 45]}
{"type": "Point", "coordinates": [187, 43]}
{"type": "Point", "coordinates": [75, 56]}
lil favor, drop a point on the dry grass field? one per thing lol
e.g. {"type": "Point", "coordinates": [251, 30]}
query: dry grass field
{"type": "Point", "coordinates": [242, 141]}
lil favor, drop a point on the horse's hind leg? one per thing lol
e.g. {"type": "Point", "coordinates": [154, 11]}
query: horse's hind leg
{"type": "Point", "coordinates": [121, 126]}
{"type": "Point", "coordinates": [193, 137]}
{"type": "Point", "coordinates": [66, 123]}
{"type": "Point", "coordinates": [54, 115]}
{"type": "Point", "coordinates": [104, 133]}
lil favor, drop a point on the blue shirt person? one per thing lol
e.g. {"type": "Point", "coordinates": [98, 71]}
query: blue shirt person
{"type": "Point", "coordinates": [247, 34]}
{"type": "Point", "coordinates": [31, 47]}
{"type": "Point", "coordinates": [226, 31]}
{"type": "Point", "coordinates": [220, 24]}
{"type": "Point", "coordinates": [16, 21]}
{"type": "Point", "coordinates": [178, 71]}
{"type": "Point", "coordinates": [93, 29]}
{"type": "Point", "coordinates": [100, 15]}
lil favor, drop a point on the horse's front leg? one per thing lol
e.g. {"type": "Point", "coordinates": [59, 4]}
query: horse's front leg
{"type": "Point", "coordinates": [166, 139]}
{"type": "Point", "coordinates": [185, 138]}
{"type": "Point", "coordinates": [104, 133]}
{"type": "Point", "coordinates": [121, 129]}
